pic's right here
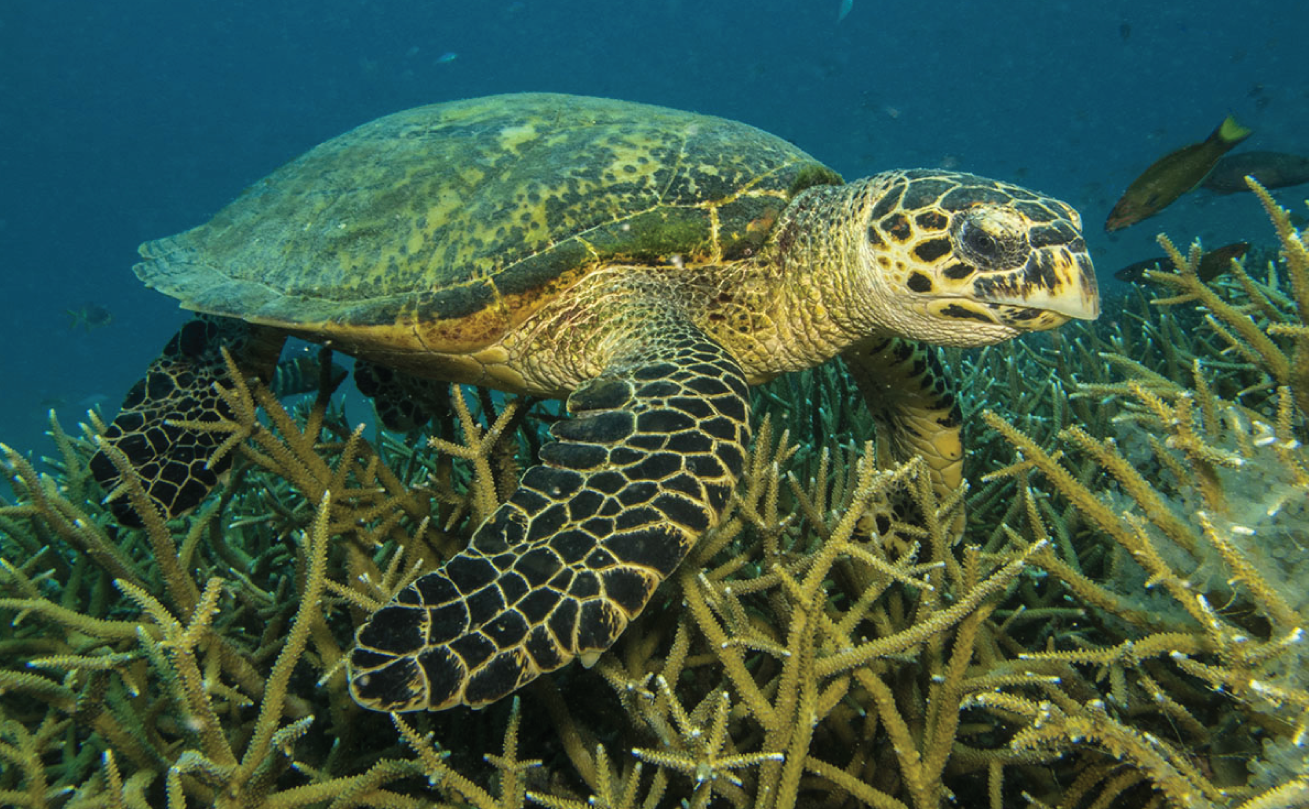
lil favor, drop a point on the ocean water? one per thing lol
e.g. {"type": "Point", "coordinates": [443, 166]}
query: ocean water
{"type": "Point", "coordinates": [127, 121]}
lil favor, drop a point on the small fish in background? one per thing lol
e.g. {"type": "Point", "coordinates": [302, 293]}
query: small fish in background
{"type": "Point", "coordinates": [950, 162]}
{"type": "Point", "coordinates": [1261, 99]}
{"type": "Point", "coordinates": [301, 374]}
{"type": "Point", "coordinates": [1271, 169]}
{"type": "Point", "coordinates": [92, 401]}
{"type": "Point", "coordinates": [446, 58]}
{"type": "Point", "coordinates": [1173, 175]}
{"type": "Point", "coordinates": [89, 316]}
{"type": "Point", "coordinates": [846, 5]}
{"type": "Point", "coordinates": [1212, 264]}
{"type": "Point", "coordinates": [1125, 31]}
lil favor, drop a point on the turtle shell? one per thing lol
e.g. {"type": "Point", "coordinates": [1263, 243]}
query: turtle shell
{"type": "Point", "coordinates": [457, 220]}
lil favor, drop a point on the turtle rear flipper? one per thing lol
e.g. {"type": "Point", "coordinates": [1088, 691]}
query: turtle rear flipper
{"type": "Point", "coordinates": [916, 413]}
{"type": "Point", "coordinates": [629, 484]}
{"type": "Point", "coordinates": [172, 461]}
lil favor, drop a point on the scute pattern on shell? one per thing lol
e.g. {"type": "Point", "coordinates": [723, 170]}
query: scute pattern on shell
{"type": "Point", "coordinates": [441, 211]}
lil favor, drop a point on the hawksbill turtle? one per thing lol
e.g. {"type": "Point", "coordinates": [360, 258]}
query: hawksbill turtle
{"type": "Point", "coordinates": [646, 264]}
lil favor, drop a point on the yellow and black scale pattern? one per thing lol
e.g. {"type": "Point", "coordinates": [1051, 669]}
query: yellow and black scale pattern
{"type": "Point", "coordinates": [172, 462]}
{"type": "Point", "coordinates": [639, 473]}
{"type": "Point", "coordinates": [940, 218]}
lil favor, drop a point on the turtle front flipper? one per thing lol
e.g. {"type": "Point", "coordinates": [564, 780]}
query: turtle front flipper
{"type": "Point", "coordinates": [909, 395]}
{"type": "Point", "coordinates": [171, 461]}
{"type": "Point", "coordinates": [629, 484]}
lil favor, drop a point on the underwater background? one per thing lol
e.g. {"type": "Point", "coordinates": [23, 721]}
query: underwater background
{"type": "Point", "coordinates": [133, 120]}
{"type": "Point", "coordinates": [1120, 623]}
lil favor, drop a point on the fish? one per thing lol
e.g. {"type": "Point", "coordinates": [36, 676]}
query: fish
{"type": "Point", "coordinates": [91, 401]}
{"type": "Point", "coordinates": [1172, 175]}
{"type": "Point", "coordinates": [846, 5]}
{"type": "Point", "coordinates": [301, 374]}
{"type": "Point", "coordinates": [1271, 169]}
{"type": "Point", "coordinates": [1212, 264]}
{"type": "Point", "coordinates": [89, 316]}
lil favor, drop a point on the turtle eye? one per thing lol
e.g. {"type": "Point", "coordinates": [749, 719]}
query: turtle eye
{"type": "Point", "coordinates": [991, 239]}
{"type": "Point", "coordinates": [978, 241]}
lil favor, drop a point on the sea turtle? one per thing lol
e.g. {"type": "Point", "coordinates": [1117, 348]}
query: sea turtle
{"type": "Point", "coordinates": [647, 264]}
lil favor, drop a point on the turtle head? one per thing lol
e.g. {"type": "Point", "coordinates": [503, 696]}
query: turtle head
{"type": "Point", "coordinates": [957, 259]}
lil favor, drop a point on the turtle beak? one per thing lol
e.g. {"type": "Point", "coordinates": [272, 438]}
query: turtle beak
{"type": "Point", "coordinates": [1057, 284]}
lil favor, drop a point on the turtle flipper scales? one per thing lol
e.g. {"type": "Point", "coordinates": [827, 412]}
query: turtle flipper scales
{"type": "Point", "coordinates": [627, 486]}
{"type": "Point", "coordinates": [172, 461]}
{"type": "Point", "coordinates": [910, 397]}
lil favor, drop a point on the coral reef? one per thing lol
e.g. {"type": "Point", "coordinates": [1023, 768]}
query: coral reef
{"type": "Point", "coordinates": [1123, 620]}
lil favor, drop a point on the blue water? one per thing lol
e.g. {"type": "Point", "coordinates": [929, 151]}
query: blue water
{"type": "Point", "coordinates": [130, 120]}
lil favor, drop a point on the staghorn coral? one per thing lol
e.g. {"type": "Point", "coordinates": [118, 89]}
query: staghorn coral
{"type": "Point", "coordinates": [1122, 621]}
{"type": "Point", "coordinates": [1196, 508]}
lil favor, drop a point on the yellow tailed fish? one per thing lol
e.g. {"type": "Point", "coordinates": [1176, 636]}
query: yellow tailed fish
{"type": "Point", "coordinates": [1173, 175]}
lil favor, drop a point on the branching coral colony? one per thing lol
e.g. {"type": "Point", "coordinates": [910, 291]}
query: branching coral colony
{"type": "Point", "coordinates": [1123, 621]}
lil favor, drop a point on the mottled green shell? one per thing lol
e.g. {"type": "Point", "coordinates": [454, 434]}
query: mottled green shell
{"type": "Point", "coordinates": [442, 212]}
